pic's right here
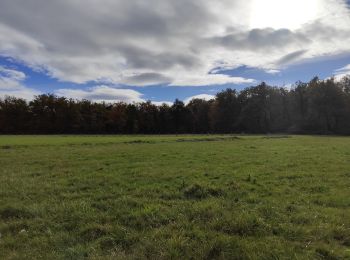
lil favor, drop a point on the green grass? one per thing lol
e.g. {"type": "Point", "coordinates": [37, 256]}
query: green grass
{"type": "Point", "coordinates": [174, 197]}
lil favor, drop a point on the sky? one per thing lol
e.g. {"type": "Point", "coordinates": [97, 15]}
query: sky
{"type": "Point", "coordinates": [159, 50]}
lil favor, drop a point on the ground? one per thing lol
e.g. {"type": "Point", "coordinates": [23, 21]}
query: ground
{"type": "Point", "coordinates": [174, 197]}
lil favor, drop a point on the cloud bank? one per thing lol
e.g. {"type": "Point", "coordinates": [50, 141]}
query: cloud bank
{"type": "Point", "coordinates": [11, 84]}
{"type": "Point", "coordinates": [141, 43]}
{"type": "Point", "coordinates": [102, 94]}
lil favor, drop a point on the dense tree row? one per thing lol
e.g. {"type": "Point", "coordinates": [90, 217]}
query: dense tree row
{"type": "Point", "coordinates": [317, 107]}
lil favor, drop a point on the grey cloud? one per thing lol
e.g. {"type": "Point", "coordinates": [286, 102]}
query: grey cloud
{"type": "Point", "coordinates": [146, 79]}
{"type": "Point", "coordinates": [66, 24]}
{"type": "Point", "coordinates": [291, 57]}
{"type": "Point", "coordinates": [131, 34]}
{"type": "Point", "coordinates": [141, 58]}
{"type": "Point", "coordinates": [325, 32]}
{"type": "Point", "coordinates": [163, 41]}
{"type": "Point", "coordinates": [260, 39]}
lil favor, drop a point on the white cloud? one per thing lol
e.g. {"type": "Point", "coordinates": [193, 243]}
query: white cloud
{"type": "Point", "coordinates": [12, 74]}
{"type": "Point", "coordinates": [102, 94]}
{"type": "Point", "coordinates": [107, 94]}
{"type": "Point", "coordinates": [272, 71]}
{"type": "Point", "coordinates": [342, 72]}
{"type": "Point", "coordinates": [281, 14]}
{"type": "Point", "coordinates": [160, 103]}
{"type": "Point", "coordinates": [288, 86]}
{"type": "Point", "coordinates": [209, 79]}
{"type": "Point", "coordinates": [200, 96]}
{"type": "Point", "coordinates": [143, 43]}
{"type": "Point", "coordinates": [11, 84]}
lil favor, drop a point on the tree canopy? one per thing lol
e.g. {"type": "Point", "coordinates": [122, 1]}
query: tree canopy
{"type": "Point", "coordinates": [316, 107]}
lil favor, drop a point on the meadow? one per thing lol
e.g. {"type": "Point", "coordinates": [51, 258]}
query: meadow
{"type": "Point", "coordinates": [174, 197]}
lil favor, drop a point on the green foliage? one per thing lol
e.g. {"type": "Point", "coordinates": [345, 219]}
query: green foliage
{"type": "Point", "coordinates": [174, 197]}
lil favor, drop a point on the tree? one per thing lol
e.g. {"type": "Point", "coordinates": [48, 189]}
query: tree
{"type": "Point", "coordinates": [225, 111]}
{"type": "Point", "coordinates": [255, 116]}
{"type": "Point", "coordinates": [14, 116]}
{"type": "Point", "coordinates": [199, 110]}
{"type": "Point", "coordinates": [180, 116]}
{"type": "Point", "coordinates": [319, 106]}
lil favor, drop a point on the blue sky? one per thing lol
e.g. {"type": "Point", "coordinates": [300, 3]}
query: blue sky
{"type": "Point", "coordinates": [117, 51]}
{"type": "Point", "coordinates": [322, 67]}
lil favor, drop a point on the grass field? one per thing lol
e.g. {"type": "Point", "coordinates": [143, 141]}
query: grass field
{"type": "Point", "coordinates": [174, 197]}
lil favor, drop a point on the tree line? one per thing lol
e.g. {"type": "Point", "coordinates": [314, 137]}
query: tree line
{"type": "Point", "coordinates": [315, 107]}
